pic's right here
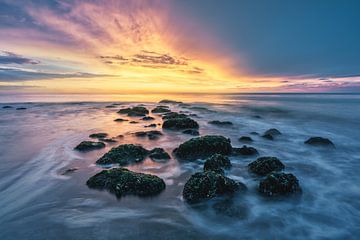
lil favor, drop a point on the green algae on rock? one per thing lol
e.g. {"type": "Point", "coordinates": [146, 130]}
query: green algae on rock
{"type": "Point", "coordinates": [121, 182]}
{"type": "Point", "coordinates": [279, 184]}
{"type": "Point", "coordinates": [124, 154]}
{"type": "Point", "coordinates": [319, 141]}
{"type": "Point", "coordinates": [85, 146]}
{"type": "Point", "coordinates": [137, 111]}
{"type": "Point", "coordinates": [266, 165]}
{"type": "Point", "coordinates": [203, 147]}
{"type": "Point", "coordinates": [180, 124]}
{"type": "Point", "coordinates": [217, 163]}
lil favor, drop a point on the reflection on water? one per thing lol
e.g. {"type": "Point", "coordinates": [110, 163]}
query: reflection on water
{"type": "Point", "coordinates": [38, 202]}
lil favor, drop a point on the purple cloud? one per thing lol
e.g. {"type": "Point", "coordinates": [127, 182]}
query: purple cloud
{"type": "Point", "coordinates": [13, 58]}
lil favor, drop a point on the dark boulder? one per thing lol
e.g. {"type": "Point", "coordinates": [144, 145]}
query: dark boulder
{"type": "Point", "coordinates": [152, 135]}
{"type": "Point", "coordinates": [147, 118]}
{"type": "Point", "coordinates": [133, 122]}
{"type": "Point", "coordinates": [268, 136]}
{"type": "Point", "coordinates": [153, 125]}
{"type": "Point", "coordinates": [217, 163]}
{"type": "Point", "coordinates": [279, 184]}
{"type": "Point", "coordinates": [160, 109]}
{"type": "Point", "coordinates": [121, 182]}
{"type": "Point", "coordinates": [121, 120]}
{"type": "Point", "coordinates": [110, 106]}
{"type": "Point", "coordinates": [220, 123]}
{"type": "Point", "coordinates": [134, 111]}
{"type": "Point", "coordinates": [266, 165]}
{"type": "Point", "coordinates": [207, 185]}
{"type": "Point", "coordinates": [124, 154]}
{"type": "Point", "coordinates": [108, 140]}
{"type": "Point", "coordinates": [245, 151]}
{"type": "Point", "coordinates": [69, 171]}
{"type": "Point", "coordinates": [98, 135]}
{"type": "Point", "coordinates": [319, 141]}
{"type": "Point", "coordinates": [6, 107]}
{"type": "Point", "coordinates": [88, 146]}
{"type": "Point", "coordinates": [271, 133]}
{"type": "Point", "coordinates": [21, 108]}
{"type": "Point", "coordinates": [203, 147]}
{"type": "Point", "coordinates": [192, 132]}
{"type": "Point", "coordinates": [172, 115]}
{"type": "Point", "coordinates": [159, 154]}
{"type": "Point", "coordinates": [180, 124]}
{"type": "Point", "coordinates": [245, 139]}
{"type": "Point", "coordinates": [167, 101]}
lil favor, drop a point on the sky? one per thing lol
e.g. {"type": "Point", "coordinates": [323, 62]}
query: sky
{"type": "Point", "coordinates": [140, 46]}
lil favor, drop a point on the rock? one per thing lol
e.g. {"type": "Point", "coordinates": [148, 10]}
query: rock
{"type": "Point", "coordinates": [21, 108]}
{"type": "Point", "coordinates": [88, 146]}
{"type": "Point", "coordinates": [217, 163]}
{"type": "Point", "coordinates": [159, 154]}
{"type": "Point", "coordinates": [137, 111]}
{"type": "Point", "coordinates": [245, 139]}
{"type": "Point", "coordinates": [108, 140]}
{"type": "Point", "coordinates": [147, 118]}
{"type": "Point", "coordinates": [273, 132]}
{"type": "Point", "coordinates": [254, 133]}
{"type": "Point", "coordinates": [192, 132]}
{"type": "Point", "coordinates": [110, 106]}
{"type": "Point", "coordinates": [279, 184]}
{"type": "Point", "coordinates": [133, 122]}
{"type": "Point", "coordinates": [69, 171]}
{"type": "Point", "coordinates": [124, 154]}
{"type": "Point", "coordinates": [120, 136]}
{"type": "Point", "coordinates": [201, 109]}
{"type": "Point", "coordinates": [172, 115]}
{"type": "Point", "coordinates": [244, 150]}
{"type": "Point", "coordinates": [121, 120]}
{"type": "Point", "coordinates": [266, 165]}
{"type": "Point", "coordinates": [220, 123]}
{"type": "Point", "coordinates": [7, 107]}
{"type": "Point", "coordinates": [257, 116]}
{"type": "Point", "coordinates": [121, 182]}
{"type": "Point", "coordinates": [167, 101]}
{"type": "Point", "coordinates": [98, 135]}
{"type": "Point", "coordinates": [207, 185]}
{"type": "Point", "coordinates": [153, 125]}
{"type": "Point", "coordinates": [154, 134]}
{"type": "Point", "coordinates": [203, 147]}
{"type": "Point", "coordinates": [184, 105]}
{"type": "Point", "coordinates": [268, 136]}
{"type": "Point", "coordinates": [319, 141]}
{"type": "Point", "coordinates": [180, 124]}
{"type": "Point", "coordinates": [161, 109]}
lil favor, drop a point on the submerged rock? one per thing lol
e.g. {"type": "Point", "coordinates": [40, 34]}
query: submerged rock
{"type": "Point", "coordinates": [180, 124]}
{"type": "Point", "coordinates": [108, 140]}
{"type": "Point", "coordinates": [271, 133]}
{"type": "Point", "coordinates": [133, 122]}
{"type": "Point", "coordinates": [122, 181]}
{"type": "Point", "coordinates": [21, 108]}
{"type": "Point", "coordinates": [159, 154]}
{"type": "Point", "coordinates": [167, 101]}
{"type": "Point", "coordinates": [161, 109]}
{"type": "Point", "coordinates": [110, 106]}
{"type": "Point", "coordinates": [89, 145]}
{"type": "Point", "coordinates": [319, 141]}
{"type": "Point", "coordinates": [203, 147]}
{"type": "Point", "coordinates": [192, 132]}
{"type": "Point", "coordinates": [147, 118]}
{"type": "Point", "coordinates": [172, 115]}
{"type": "Point", "coordinates": [245, 139]}
{"type": "Point", "coordinates": [124, 154]}
{"type": "Point", "coordinates": [154, 134]}
{"type": "Point", "coordinates": [266, 165]}
{"type": "Point", "coordinates": [69, 171]}
{"type": "Point", "coordinates": [279, 184]}
{"type": "Point", "coordinates": [6, 107]}
{"type": "Point", "coordinates": [207, 185]}
{"type": "Point", "coordinates": [220, 123]}
{"type": "Point", "coordinates": [153, 125]}
{"type": "Point", "coordinates": [244, 150]}
{"type": "Point", "coordinates": [98, 135]}
{"type": "Point", "coordinates": [217, 163]}
{"type": "Point", "coordinates": [134, 111]}
{"type": "Point", "coordinates": [121, 120]}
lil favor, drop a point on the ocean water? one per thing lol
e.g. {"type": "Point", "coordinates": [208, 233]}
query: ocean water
{"type": "Point", "coordinates": [38, 202]}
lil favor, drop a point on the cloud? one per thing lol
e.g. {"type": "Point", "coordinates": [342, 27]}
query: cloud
{"type": "Point", "coordinates": [9, 74]}
{"type": "Point", "coordinates": [12, 58]}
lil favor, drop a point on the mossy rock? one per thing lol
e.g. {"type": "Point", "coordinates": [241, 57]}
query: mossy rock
{"type": "Point", "coordinates": [268, 136]}
{"type": "Point", "coordinates": [206, 185]}
{"type": "Point", "coordinates": [273, 132]}
{"type": "Point", "coordinates": [121, 182]}
{"type": "Point", "coordinates": [217, 163]}
{"type": "Point", "coordinates": [89, 146]}
{"type": "Point", "coordinates": [121, 120]}
{"type": "Point", "coordinates": [192, 132]}
{"type": "Point", "coordinates": [124, 155]}
{"type": "Point", "coordinates": [180, 124]}
{"type": "Point", "coordinates": [245, 139]}
{"type": "Point", "coordinates": [152, 135]}
{"type": "Point", "coordinates": [98, 135]}
{"type": "Point", "coordinates": [266, 165]}
{"type": "Point", "coordinates": [137, 111]}
{"type": "Point", "coordinates": [148, 118]}
{"type": "Point", "coordinates": [319, 141]}
{"type": "Point", "coordinates": [245, 151]}
{"type": "Point", "coordinates": [172, 115]}
{"type": "Point", "coordinates": [167, 101]}
{"type": "Point", "coordinates": [160, 109]}
{"type": "Point", "coordinates": [159, 154]}
{"type": "Point", "coordinates": [279, 184]}
{"type": "Point", "coordinates": [203, 147]}
{"type": "Point", "coordinates": [221, 123]}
